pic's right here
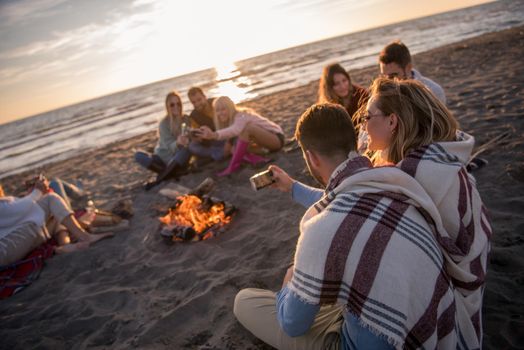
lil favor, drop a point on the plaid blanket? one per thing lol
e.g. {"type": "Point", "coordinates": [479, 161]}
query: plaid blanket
{"type": "Point", "coordinates": [17, 276]}
{"type": "Point", "coordinates": [370, 244]}
{"type": "Point", "coordinates": [441, 169]}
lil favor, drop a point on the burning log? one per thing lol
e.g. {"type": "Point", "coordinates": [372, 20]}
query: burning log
{"type": "Point", "coordinates": [197, 217]}
{"type": "Point", "coordinates": [179, 233]}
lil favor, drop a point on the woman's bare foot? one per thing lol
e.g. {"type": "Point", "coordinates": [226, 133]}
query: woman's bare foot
{"type": "Point", "coordinates": [73, 247]}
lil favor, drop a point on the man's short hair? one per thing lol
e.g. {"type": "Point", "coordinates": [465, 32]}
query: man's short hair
{"type": "Point", "coordinates": [326, 128]}
{"type": "Point", "coordinates": [395, 52]}
{"type": "Point", "coordinates": [195, 90]}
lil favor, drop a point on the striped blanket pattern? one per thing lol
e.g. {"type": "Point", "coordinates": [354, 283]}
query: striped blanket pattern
{"type": "Point", "coordinates": [371, 244]}
{"type": "Point", "coordinates": [440, 169]}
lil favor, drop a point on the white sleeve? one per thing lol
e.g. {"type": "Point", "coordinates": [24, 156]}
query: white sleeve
{"type": "Point", "coordinates": [16, 210]}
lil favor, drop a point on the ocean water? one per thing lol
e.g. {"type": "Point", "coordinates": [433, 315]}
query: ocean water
{"type": "Point", "coordinates": [69, 131]}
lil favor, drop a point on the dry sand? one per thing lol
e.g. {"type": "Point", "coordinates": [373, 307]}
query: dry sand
{"type": "Point", "coordinates": [134, 291]}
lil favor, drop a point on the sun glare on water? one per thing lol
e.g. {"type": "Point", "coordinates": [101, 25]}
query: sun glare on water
{"type": "Point", "coordinates": [230, 82]}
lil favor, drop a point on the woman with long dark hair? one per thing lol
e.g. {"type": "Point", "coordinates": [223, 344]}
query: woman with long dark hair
{"type": "Point", "coordinates": [336, 87]}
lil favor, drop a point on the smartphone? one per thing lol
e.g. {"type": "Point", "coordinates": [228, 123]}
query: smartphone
{"type": "Point", "coordinates": [261, 180]}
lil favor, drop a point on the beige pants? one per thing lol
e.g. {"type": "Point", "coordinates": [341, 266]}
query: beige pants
{"type": "Point", "coordinates": [54, 207]}
{"type": "Point", "coordinates": [20, 242]}
{"type": "Point", "coordinates": [256, 310]}
{"type": "Point", "coordinates": [27, 236]}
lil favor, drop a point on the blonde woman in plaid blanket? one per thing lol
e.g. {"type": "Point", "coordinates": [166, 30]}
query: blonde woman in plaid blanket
{"type": "Point", "coordinates": [369, 271]}
{"type": "Point", "coordinates": [413, 129]}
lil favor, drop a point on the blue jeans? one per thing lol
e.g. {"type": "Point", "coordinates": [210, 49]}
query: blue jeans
{"type": "Point", "coordinates": [146, 160]}
{"type": "Point", "coordinates": [215, 150]}
{"type": "Point", "coordinates": [68, 191]}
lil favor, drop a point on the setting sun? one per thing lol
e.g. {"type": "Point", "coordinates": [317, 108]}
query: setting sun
{"type": "Point", "coordinates": [230, 83]}
{"type": "Point", "coordinates": [61, 52]}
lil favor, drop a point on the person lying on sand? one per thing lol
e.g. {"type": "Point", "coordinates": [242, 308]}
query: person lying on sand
{"type": "Point", "coordinates": [232, 121]}
{"type": "Point", "coordinates": [27, 222]}
{"type": "Point", "coordinates": [87, 215]}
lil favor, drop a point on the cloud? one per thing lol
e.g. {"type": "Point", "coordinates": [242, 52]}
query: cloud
{"type": "Point", "coordinates": [63, 65]}
{"type": "Point", "coordinates": [117, 34]}
{"type": "Point", "coordinates": [36, 48]}
{"type": "Point", "coordinates": [13, 75]}
{"type": "Point", "coordinates": [139, 3]}
{"type": "Point", "coordinates": [308, 5]}
{"type": "Point", "coordinates": [10, 73]}
{"type": "Point", "coordinates": [61, 53]}
{"type": "Point", "coordinates": [20, 11]}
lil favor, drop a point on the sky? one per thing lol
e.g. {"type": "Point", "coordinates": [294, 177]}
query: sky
{"type": "Point", "coordinates": [55, 53]}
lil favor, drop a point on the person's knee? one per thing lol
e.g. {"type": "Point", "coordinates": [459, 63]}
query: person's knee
{"type": "Point", "coordinates": [143, 159]}
{"type": "Point", "coordinates": [244, 305]}
{"type": "Point", "coordinates": [244, 135]}
{"type": "Point", "coordinates": [57, 206]}
{"type": "Point", "coordinates": [54, 198]}
{"type": "Point", "coordinates": [240, 303]}
{"type": "Point", "coordinates": [182, 156]}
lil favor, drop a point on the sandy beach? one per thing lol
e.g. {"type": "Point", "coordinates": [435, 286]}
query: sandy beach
{"type": "Point", "coordinates": [136, 291]}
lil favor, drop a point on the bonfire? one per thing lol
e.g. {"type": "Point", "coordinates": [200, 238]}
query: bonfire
{"type": "Point", "coordinates": [196, 216]}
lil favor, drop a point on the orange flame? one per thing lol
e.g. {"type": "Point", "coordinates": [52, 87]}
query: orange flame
{"type": "Point", "coordinates": [189, 212]}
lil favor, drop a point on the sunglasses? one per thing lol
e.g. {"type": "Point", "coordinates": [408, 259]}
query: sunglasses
{"type": "Point", "coordinates": [390, 76]}
{"type": "Point", "coordinates": [368, 116]}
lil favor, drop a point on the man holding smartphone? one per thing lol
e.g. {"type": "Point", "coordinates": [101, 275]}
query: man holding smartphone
{"type": "Point", "coordinates": [367, 272]}
{"type": "Point", "coordinates": [202, 115]}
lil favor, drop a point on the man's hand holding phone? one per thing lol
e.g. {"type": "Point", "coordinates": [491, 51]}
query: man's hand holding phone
{"type": "Point", "coordinates": [283, 181]}
{"type": "Point", "coordinates": [195, 134]}
{"type": "Point", "coordinates": [206, 133]}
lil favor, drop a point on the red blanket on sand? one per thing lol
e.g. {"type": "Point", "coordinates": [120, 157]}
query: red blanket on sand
{"type": "Point", "coordinates": [17, 276]}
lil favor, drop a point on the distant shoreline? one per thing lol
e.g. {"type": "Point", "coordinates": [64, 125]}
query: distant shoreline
{"type": "Point", "coordinates": [355, 72]}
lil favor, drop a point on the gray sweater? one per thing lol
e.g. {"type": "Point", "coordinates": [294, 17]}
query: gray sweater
{"type": "Point", "coordinates": [167, 145]}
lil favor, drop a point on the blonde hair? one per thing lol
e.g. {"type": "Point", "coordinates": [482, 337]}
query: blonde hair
{"type": "Point", "coordinates": [174, 123]}
{"type": "Point", "coordinates": [422, 118]}
{"type": "Point", "coordinates": [232, 109]}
